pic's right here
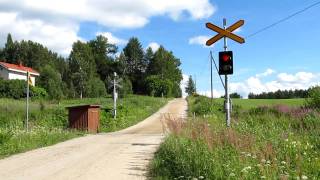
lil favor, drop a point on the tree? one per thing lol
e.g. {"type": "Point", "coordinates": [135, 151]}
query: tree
{"type": "Point", "coordinates": [191, 88]}
{"type": "Point", "coordinates": [165, 65]}
{"type": "Point", "coordinates": [10, 50]}
{"type": "Point", "coordinates": [102, 52]}
{"type": "Point", "coordinates": [313, 99]}
{"type": "Point", "coordinates": [82, 67]}
{"type": "Point", "coordinates": [135, 64]}
{"type": "Point", "coordinates": [51, 81]}
{"type": "Point", "coordinates": [235, 95]}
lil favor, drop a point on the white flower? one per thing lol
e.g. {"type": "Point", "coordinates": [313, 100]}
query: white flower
{"type": "Point", "coordinates": [263, 177]}
{"type": "Point", "coordinates": [283, 162]}
{"type": "Point", "coordinates": [201, 177]}
{"type": "Point", "coordinates": [232, 174]}
{"type": "Point", "coordinates": [304, 177]}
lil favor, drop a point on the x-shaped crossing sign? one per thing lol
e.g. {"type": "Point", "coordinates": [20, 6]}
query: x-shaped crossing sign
{"type": "Point", "coordinates": [225, 32]}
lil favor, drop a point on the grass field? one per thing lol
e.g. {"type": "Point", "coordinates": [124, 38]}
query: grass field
{"type": "Point", "coordinates": [251, 103]}
{"type": "Point", "coordinates": [48, 121]}
{"type": "Point", "coordinates": [280, 142]}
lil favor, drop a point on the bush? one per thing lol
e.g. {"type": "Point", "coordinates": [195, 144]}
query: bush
{"type": "Point", "coordinates": [12, 89]}
{"type": "Point", "coordinates": [126, 88]}
{"type": "Point", "coordinates": [157, 86]}
{"type": "Point", "coordinates": [38, 92]}
{"type": "Point", "coordinates": [95, 88]}
{"type": "Point", "coordinates": [314, 97]}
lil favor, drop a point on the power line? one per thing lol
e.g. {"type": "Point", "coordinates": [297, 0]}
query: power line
{"type": "Point", "coordinates": [283, 19]}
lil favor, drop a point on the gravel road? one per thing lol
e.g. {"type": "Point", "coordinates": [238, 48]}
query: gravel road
{"type": "Point", "coordinates": [119, 155]}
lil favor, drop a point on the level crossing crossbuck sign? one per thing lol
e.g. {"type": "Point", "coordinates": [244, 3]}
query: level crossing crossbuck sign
{"type": "Point", "coordinates": [225, 32]}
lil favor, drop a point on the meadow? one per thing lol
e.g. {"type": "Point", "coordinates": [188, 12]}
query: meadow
{"type": "Point", "coordinates": [276, 140]}
{"type": "Point", "coordinates": [48, 121]}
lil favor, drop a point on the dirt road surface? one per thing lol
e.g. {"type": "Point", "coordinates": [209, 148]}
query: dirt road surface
{"type": "Point", "coordinates": [119, 155]}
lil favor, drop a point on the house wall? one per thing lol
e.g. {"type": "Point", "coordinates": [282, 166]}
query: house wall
{"type": "Point", "coordinates": [4, 73]}
{"type": "Point", "coordinates": [22, 76]}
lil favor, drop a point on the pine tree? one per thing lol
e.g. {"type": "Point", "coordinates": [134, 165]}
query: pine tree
{"type": "Point", "coordinates": [191, 88]}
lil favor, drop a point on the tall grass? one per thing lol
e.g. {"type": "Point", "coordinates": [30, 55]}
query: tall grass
{"type": "Point", "coordinates": [48, 121]}
{"type": "Point", "coordinates": [265, 142]}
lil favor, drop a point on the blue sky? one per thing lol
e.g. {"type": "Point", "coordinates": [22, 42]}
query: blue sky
{"type": "Point", "coordinates": [282, 57]}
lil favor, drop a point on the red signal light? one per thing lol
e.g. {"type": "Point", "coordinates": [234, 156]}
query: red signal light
{"type": "Point", "coordinates": [225, 58]}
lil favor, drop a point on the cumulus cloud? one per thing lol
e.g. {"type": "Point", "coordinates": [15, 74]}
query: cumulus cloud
{"type": "Point", "coordinates": [266, 73]}
{"type": "Point", "coordinates": [199, 40]}
{"type": "Point", "coordinates": [215, 93]}
{"type": "Point", "coordinates": [56, 23]}
{"type": "Point", "coordinates": [112, 39]}
{"type": "Point", "coordinates": [154, 46]}
{"type": "Point", "coordinates": [283, 81]}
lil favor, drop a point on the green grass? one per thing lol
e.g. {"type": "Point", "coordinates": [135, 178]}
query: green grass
{"type": "Point", "coordinates": [263, 143]}
{"type": "Point", "coordinates": [251, 103]}
{"type": "Point", "coordinates": [48, 121]}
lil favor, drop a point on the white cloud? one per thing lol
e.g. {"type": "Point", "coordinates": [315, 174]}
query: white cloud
{"type": "Point", "coordinates": [183, 84]}
{"type": "Point", "coordinates": [199, 40]}
{"type": "Point", "coordinates": [56, 23]}
{"type": "Point", "coordinates": [283, 81]}
{"type": "Point", "coordinates": [112, 39]}
{"type": "Point", "coordinates": [266, 73]}
{"type": "Point", "coordinates": [215, 93]}
{"type": "Point", "coordinates": [154, 46]}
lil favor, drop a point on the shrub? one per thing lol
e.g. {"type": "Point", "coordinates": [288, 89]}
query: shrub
{"type": "Point", "coordinates": [38, 92]}
{"type": "Point", "coordinates": [314, 97]}
{"type": "Point", "coordinates": [12, 89]}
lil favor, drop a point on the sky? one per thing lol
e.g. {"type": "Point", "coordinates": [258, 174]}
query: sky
{"type": "Point", "coordinates": [285, 56]}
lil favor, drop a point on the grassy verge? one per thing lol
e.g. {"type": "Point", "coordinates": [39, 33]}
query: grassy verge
{"type": "Point", "coordinates": [280, 142]}
{"type": "Point", "coordinates": [48, 121]}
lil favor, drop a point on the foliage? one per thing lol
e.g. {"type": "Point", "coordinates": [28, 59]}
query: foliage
{"type": "Point", "coordinates": [268, 142]}
{"type": "Point", "coordinates": [76, 75]}
{"type": "Point", "coordinates": [38, 92]}
{"type": "Point", "coordinates": [52, 82]}
{"type": "Point", "coordinates": [156, 86]}
{"type": "Point", "coordinates": [314, 97]}
{"type": "Point", "coordinates": [191, 87]}
{"type": "Point", "coordinates": [280, 94]}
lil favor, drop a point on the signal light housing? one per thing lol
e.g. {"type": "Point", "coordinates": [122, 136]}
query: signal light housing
{"type": "Point", "coordinates": [225, 62]}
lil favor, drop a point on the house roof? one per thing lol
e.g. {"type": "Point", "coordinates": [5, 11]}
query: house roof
{"type": "Point", "coordinates": [19, 68]}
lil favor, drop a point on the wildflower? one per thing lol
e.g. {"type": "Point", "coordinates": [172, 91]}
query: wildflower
{"type": "Point", "coordinates": [254, 156]}
{"type": "Point", "coordinates": [245, 170]}
{"type": "Point", "coordinates": [283, 162]}
{"type": "Point", "coordinates": [286, 140]}
{"type": "Point", "coordinates": [194, 178]}
{"type": "Point", "coordinates": [201, 177]}
{"type": "Point", "coordinates": [263, 160]}
{"type": "Point", "coordinates": [262, 177]}
{"type": "Point", "coordinates": [248, 155]}
{"type": "Point", "coordinates": [304, 177]}
{"type": "Point", "coordinates": [268, 162]}
{"type": "Point", "coordinates": [259, 165]}
{"type": "Point", "coordinates": [232, 174]}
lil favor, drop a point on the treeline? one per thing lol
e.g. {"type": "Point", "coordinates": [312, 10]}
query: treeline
{"type": "Point", "coordinates": [89, 69]}
{"type": "Point", "coordinates": [280, 94]}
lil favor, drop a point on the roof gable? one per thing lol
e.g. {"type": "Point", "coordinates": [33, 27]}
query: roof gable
{"type": "Point", "coordinates": [19, 67]}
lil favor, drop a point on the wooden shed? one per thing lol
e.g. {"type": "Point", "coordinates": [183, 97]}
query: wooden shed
{"type": "Point", "coordinates": [84, 117]}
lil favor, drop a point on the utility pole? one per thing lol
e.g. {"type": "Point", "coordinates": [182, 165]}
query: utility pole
{"type": "Point", "coordinates": [227, 98]}
{"type": "Point", "coordinates": [195, 83]}
{"type": "Point", "coordinates": [211, 77]}
{"type": "Point", "coordinates": [27, 103]}
{"type": "Point", "coordinates": [115, 96]}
